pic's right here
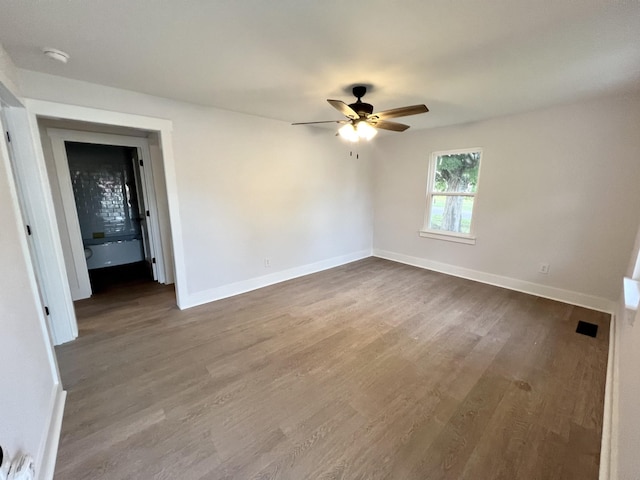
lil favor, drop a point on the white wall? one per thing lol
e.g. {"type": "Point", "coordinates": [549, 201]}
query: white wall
{"type": "Point", "coordinates": [249, 188]}
{"type": "Point", "coordinates": [8, 74]}
{"type": "Point", "coordinates": [28, 376]}
{"type": "Point", "coordinates": [557, 185]}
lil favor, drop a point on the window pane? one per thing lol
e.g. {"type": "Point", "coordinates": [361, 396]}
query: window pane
{"type": "Point", "coordinates": [451, 213]}
{"type": "Point", "coordinates": [457, 172]}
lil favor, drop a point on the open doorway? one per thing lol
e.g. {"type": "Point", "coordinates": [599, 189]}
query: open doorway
{"type": "Point", "coordinates": [36, 179]}
{"type": "Point", "coordinates": [110, 203]}
{"type": "Point", "coordinates": [111, 206]}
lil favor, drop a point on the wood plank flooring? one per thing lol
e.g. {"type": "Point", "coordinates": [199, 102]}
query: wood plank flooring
{"type": "Point", "coordinates": [373, 370]}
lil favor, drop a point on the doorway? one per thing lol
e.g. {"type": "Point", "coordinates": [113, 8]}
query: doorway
{"type": "Point", "coordinates": [107, 208]}
{"type": "Point", "coordinates": [109, 198]}
{"type": "Point", "coordinates": [37, 177]}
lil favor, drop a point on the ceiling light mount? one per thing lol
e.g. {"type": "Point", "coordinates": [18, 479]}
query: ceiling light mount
{"type": "Point", "coordinates": [55, 54]}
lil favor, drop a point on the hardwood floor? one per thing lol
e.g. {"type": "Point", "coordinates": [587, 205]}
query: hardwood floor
{"type": "Point", "coordinates": [373, 370]}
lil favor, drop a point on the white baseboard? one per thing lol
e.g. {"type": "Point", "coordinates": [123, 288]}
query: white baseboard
{"type": "Point", "coordinates": [609, 446]}
{"type": "Point", "coordinates": [553, 293]}
{"type": "Point", "coordinates": [237, 288]}
{"type": "Point", "coordinates": [47, 465]}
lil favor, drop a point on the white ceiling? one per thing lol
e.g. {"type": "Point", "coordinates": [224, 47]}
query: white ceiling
{"type": "Point", "coordinates": [465, 59]}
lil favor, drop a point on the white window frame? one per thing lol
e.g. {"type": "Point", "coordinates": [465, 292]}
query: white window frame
{"type": "Point", "coordinates": [467, 238]}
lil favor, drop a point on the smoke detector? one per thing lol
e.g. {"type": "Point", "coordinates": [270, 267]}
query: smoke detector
{"type": "Point", "coordinates": [56, 54]}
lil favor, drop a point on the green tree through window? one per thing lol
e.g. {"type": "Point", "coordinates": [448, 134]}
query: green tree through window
{"type": "Point", "coordinates": [452, 190]}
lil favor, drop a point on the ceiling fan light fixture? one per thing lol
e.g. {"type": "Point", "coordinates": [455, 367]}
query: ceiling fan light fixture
{"type": "Point", "coordinates": [362, 123]}
{"type": "Point", "coordinates": [365, 131]}
{"type": "Point", "coordinates": [348, 132]}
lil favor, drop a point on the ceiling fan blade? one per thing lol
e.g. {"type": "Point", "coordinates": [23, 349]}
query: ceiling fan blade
{"type": "Point", "coordinates": [323, 121]}
{"type": "Point", "coordinates": [344, 109]}
{"type": "Point", "coordinates": [400, 112]}
{"type": "Point", "coordinates": [394, 126]}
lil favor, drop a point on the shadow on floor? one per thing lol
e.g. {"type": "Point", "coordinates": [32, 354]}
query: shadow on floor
{"type": "Point", "coordinates": [106, 279]}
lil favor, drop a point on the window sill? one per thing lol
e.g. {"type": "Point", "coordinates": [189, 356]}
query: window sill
{"type": "Point", "coordinates": [631, 298]}
{"type": "Point", "coordinates": [450, 237]}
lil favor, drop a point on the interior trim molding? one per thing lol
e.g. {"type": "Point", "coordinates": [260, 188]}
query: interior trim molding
{"type": "Point", "coordinates": [161, 126]}
{"type": "Point", "coordinates": [79, 275]}
{"type": "Point", "coordinates": [50, 447]}
{"type": "Point", "coordinates": [244, 286]}
{"type": "Point", "coordinates": [567, 296]}
{"type": "Point", "coordinates": [610, 415]}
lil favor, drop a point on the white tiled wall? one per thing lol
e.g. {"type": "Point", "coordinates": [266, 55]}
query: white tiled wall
{"type": "Point", "coordinates": [104, 190]}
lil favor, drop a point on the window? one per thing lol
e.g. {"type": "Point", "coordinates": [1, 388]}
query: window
{"type": "Point", "coordinates": [452, 186]}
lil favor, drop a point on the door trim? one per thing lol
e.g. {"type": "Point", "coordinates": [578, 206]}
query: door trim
{"type": "Point", "coordinates": [32, 182]}
{"type": "Point", "coordinates": [58, 138]}
{"type": "Point", "coordinates": [31, 229]}
{"type": "Point", "coordinates": [164, 127]}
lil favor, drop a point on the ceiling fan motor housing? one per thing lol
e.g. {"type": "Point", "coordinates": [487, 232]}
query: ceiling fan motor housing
{"type": "Point", "coordinates": [361, 108]}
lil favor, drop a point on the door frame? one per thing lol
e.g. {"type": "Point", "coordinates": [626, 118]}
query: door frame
{"type": "Point", "coordinates": [32, 185]}
{"type": "Point", "coordinates": [163, 127]}
{"type": "Point", "coordinates": [24, 215]}
{"type": "Point", "coordinates": [32, 203]}
{"type": "Point", "coordinates": [58, 138]}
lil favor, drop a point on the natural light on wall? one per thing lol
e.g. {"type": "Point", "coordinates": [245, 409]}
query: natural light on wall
{"type": "Point", "coordinates": [362, 130]}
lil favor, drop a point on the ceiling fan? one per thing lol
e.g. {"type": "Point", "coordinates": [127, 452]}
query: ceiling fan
{"type": "Point", "coordinates": [362, 122]}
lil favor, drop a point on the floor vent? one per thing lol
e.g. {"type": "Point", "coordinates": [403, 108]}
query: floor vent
{"type": "Point", "coordinates": [586, 328]}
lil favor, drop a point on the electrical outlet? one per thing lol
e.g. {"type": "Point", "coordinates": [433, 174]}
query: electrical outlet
{"type": "Point", "coordinates": [267, 262]}
{"type": "Point", "coordinates": [543, 268]}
